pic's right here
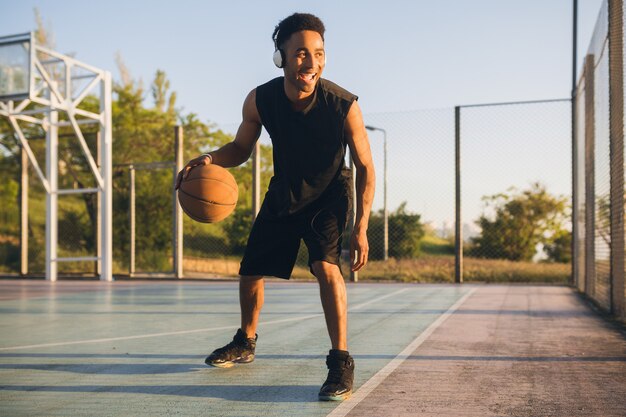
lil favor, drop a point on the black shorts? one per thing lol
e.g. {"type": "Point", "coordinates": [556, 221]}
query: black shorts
{"type": "Point", "coordinates": [273, 244]}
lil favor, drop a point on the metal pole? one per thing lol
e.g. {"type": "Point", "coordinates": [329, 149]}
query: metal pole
{"type": "Point", "coordinates": [24, 213]}
{"type": "Point", "coordinates": [574, 44]}
{"type": "Point", "coordinates": [385, 210]}
{"type": "Point", "coordinates": [178, 212]}
{"type": "Point", "coordinates": [256, 179]}
{"type": "Point", "coordinates": [616, 132]}
{"type": "Point", "coordinates": [52, 173]}
{"type": "Point", "coordinates": [98, 234]}
{"type": "Point", "coordinates": [458, 227]}
{"type": "Point", "coordinates": [575, 277]}
{"type": "Point", "coordinates": [590, 200]}
{"type": "Point", "coordinates": [131, 263]}
{"type": "Point", "coordinates": [106, 170]}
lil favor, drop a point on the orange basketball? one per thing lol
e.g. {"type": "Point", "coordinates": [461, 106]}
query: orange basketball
{"type": "Point", "coordinates": [209, 194]}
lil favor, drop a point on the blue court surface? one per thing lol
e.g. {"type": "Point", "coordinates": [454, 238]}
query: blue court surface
{"type": "Point", "coordinates": [138, 348]}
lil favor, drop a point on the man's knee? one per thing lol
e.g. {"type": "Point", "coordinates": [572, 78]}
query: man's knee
{"type": "Point", "coordinates": [326, 271]}
{"type": "Point", "coordinates": [250, 282]}
{"type": "Point", "coordinates": [250, 278]}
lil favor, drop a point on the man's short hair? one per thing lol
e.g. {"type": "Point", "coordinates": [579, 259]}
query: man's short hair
{"type": "Point", "coordinates": [295, 23]}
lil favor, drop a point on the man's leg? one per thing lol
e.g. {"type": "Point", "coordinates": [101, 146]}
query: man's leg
{"type": "Point", "coordinates": [251, 298]}
{"type": "Point", "coordinates": [242, 348]}
{"type": "Point", "coordinates": [338, 384]}
{"type": "Point", "coordinates": [334, 302]}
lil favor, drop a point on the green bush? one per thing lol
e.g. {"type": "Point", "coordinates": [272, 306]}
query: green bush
{"type": "Point", "coordinates": [405, 233]}
{"type": "Point", "coordinates": [517, 222]}
{"type": "Point", "coordinates": [237, 229]}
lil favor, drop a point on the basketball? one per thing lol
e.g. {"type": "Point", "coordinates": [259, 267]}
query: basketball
{"type": "Point", "coordinates": [209, 194]}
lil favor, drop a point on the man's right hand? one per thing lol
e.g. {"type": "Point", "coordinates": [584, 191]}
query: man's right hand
{"type": "Point", "coordinates": [184, 173]}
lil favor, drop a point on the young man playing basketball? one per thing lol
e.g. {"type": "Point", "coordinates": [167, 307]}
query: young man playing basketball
{"type": "Point", "coordinates": [310, 121]}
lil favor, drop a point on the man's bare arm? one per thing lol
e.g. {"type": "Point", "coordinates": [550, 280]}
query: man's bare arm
{"type": "Point", "coordinates": [365, 184]}
{"type": "Point", "coordinates": [239, 150]}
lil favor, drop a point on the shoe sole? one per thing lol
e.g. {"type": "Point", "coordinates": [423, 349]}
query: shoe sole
{"type": "Point", "coordinates": [230, 364]}
{"type": "Point", "coordinates": [341, 397]}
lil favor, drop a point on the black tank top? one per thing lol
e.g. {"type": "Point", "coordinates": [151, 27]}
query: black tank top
{"type": "Point", "coordinates": [309, 146]}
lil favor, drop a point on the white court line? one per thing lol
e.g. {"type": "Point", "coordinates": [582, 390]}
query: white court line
{"type": "Point", "coordinates": [375, 300]}
{"type": "Point", "coordinates": [345, 407]}
{"type": "Point", "coordinates": [141, 336]}
{"type": "Point", "coordinates": [209, 329]}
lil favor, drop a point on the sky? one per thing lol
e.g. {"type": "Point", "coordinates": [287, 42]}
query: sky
{"type": "Point", "coordinates": [396, 55]}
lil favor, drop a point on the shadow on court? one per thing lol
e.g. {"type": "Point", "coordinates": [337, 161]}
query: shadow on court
{"type": "Point", "coordinates": [106, 368]}
{"type": "Point", "coordinates": [237, 393]}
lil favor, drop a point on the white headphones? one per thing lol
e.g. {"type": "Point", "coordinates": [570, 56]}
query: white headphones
{"type": "Point", "coordinates": [278, 58]}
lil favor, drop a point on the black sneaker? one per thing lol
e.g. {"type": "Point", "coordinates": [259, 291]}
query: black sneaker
{"type": "Point", "coordinates": [338, 385]}
{"type": "Point", "coordinates": [240, 350]}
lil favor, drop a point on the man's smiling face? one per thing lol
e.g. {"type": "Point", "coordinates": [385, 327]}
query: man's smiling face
{"type": "Point", "coordinates": [304, 61]}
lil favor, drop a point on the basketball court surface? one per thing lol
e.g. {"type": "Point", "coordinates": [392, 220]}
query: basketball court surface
{"type": "Point", "coordinates": [138, 347]}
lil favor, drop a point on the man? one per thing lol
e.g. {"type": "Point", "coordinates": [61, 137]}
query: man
{"type": "Point", "coordinates": [310, 121]}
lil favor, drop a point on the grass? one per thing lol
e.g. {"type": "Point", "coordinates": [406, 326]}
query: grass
{"type": "Point", "coordinates": [426, 269]}
{"type": "Point", "coordinates": [434, 245]}
{"type": "Point", "coordinates": [436, 265]}
{"type": "Point", "coordinates": [441, 269]}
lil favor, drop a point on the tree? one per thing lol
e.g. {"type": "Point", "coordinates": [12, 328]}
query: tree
{"type": "Point", "coordinates": [43, 36]}
{"type": "Point", "coordinates": [160, 88]}
{"type": "Point", "coordinates": [560, 247]}
{"type": "Point", "coordinates": [519, 221]}
{"type": "Point", "coordinates": [405, 233]}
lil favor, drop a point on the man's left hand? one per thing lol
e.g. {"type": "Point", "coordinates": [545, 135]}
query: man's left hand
{"type": "Point", "coordinates": [359, 249]}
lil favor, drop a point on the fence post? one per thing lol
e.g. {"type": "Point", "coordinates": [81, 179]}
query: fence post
{"type": "Point", "coordinates": [177, 256]}
{"type": "Point", "coordinates": [590, 209]}
{"type": "Point", "coordinates": [131, 263]}
{"type": "Point", "coordinates": [24, 213]}
{"type": "Point", "coordinates": [616, 133]}
{"type": "Point", "coordinates": [575, 276]}
{"type": "Point", "coordinates": [458, 227]}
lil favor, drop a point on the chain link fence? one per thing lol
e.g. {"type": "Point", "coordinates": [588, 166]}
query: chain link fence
{"type": "Point", "coordinates": [599, 170]}
{"type": "Point", "coordinates": [504, 147]}
{"type": "Point", "coordinates": [516, 181]}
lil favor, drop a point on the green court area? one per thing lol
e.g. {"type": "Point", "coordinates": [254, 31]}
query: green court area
{"type": "Point", "coordinates": [138, 348]}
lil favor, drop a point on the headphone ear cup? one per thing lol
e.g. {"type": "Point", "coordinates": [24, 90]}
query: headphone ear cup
{"type": "Point", "coordinates": [278, 58]}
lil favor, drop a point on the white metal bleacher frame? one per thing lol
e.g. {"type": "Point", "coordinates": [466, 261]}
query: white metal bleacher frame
{"type": "Point", "coordinates": [49, 93]}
